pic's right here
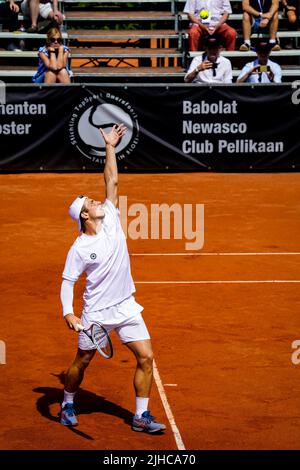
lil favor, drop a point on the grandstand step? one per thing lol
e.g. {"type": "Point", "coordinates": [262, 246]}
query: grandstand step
{"type": "Point", "coordinates": [118, 1]}
{"type": "Point", "coordinates": [118, 16]}
{"type": "Point", "coordinates": [122, 34]}
{"type": "Point", "coordinates": [121, 52]}
{"type": "Point", "coordinates": [286, 72]}
{"type": "Point", "coordinates": [133, 72]}
{"type": "Point", "coordinates": [107, 52]}
{"type": "Point", "coordinates": [252, 54]}
{"type": "Point", "coordinates": [232, 16]}
{"type": "Point", "coordinates": [280, 34]}
{"type": "Point", "coordinates": [174, 73]}
{"type": "Point", "coordinates": [102, 52]}
{"type": "Point", "coordinates": [20, 35]}
{"type": "Point", "coordinates": [18, 55]}
{"type": "Point", "coordinates": [17, 71]}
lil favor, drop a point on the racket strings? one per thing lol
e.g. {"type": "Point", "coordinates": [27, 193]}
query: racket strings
{"type": "Point", "coordinates": [102, 341]}
{"type": "Point", "coordinates": [100, 337]}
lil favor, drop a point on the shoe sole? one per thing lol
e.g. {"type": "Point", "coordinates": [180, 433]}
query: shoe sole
{"type": "Point", "coordinates": [151, 431]}
{"type": "Point", "coordinates": [64, 423]}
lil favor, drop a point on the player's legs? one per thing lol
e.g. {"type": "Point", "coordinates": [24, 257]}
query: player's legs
{"type": "Point", "coordinates": [143, 421]}
{"type": "Point", "coordinates": [75, 373]}
{"type": "Point", "coordinates": [74, 377]}
{"type": "Point", "coordinates": [144, 369]}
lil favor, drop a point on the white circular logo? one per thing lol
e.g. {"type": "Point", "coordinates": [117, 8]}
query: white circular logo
{"type": "Point", "coordinates": [103, 110]}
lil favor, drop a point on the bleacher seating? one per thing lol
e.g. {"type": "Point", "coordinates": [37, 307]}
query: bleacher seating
{"type": "Point", "coordinates": [131, 41]}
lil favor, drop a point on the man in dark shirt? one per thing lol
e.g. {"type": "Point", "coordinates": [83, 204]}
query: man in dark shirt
{"type": "Point", "coordinates": [9, 10]}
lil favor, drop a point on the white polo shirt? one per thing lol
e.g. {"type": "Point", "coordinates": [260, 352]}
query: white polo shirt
{"type": "Point", "coordinates": [223, 72]}
{"type": "Point", "coordinates": [105, 260]}
{"type": "Point", "coordinates": [216, 8]}
{"type": "Point", "coordinates": [263, 77]}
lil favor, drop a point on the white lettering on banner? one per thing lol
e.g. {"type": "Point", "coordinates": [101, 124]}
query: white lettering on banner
{"type": "Point", "coordinates": [192, 146]}
{"type": "Point", "coordinates": [249, 146]}
{"type": "Point", "coordinates": [14, 129]}
{"type": "Point", "coordinates": [190, 127]}
{"type": "Point", "coordinates": [19, 109]}
{"type": "Point", "coordinates": [23, 109]}
{"type": "Point", "coordinates": [209, 108]}
{"type": "Point", "coordinates": [2, 92]}
{"type": "Point", "coordinates": [193, 128]}
{"type": "Point", "coordinates": [296, 93]}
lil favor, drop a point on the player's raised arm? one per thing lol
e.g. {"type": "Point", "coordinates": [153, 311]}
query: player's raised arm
{"type": "Point", "coordinates": [111, 169]}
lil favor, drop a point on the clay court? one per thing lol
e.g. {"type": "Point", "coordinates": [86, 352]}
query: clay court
{"type": "Point", "coordinates": [222, 319]}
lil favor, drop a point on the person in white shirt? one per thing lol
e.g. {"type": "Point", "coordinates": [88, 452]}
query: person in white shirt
{"type": "Point", "coordinates": [101, 252]}
{"type": "Point", "coordinates": [262, 69]}
{"type": "Point", "coordinates": [208, 17]}
{"type": "Point", "coordinates": [210, 67]}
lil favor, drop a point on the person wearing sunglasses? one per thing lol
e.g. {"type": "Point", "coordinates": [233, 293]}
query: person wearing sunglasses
{"type": "Point", "coordinates": [53, 60]}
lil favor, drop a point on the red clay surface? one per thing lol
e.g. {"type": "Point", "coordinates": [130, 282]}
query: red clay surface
{"type": "Point", "coordinates": [227, 347]}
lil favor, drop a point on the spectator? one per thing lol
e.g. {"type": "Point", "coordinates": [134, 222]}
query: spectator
{"type": "Point", "coordinates": [291, 13]}
{"type": "Point", "coordinates": [261, 16]}
{"type": "Point", "coordinates": [43, 8]}
{"type": "Point", "coordinates": [53, 60]}
{"type": "Point", "coordinates": [9, 12]}
{"type": "Point", "coordinates": [262, 69]}
{"type": "Point", "coordinates": [208, 17]}
{"type": "Point", "coordinates": [210, 67]}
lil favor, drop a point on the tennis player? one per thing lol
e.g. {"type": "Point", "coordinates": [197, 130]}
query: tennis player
{"type": "Point", "coordinates": [101, 252]}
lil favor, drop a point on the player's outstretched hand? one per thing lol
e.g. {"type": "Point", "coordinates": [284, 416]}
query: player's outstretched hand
{"type": "Point", "coordinates": [72, 321]}
{"type": "Point", "coordinates": [113, 137]}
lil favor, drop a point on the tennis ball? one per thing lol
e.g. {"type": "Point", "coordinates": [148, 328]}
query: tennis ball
{"type": "Point", "coordinates": [204, 14]}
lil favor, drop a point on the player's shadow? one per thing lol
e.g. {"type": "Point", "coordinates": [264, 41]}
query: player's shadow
{"type": "Point", "coordinates": [86, 403]}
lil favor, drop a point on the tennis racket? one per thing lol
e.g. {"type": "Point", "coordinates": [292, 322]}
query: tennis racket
{"type": "Point", "coordinates": [99, 336]}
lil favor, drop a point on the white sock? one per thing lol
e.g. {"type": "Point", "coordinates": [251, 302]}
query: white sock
{"type": "Point", "coordinates": [272, 41]}
{"type": "Point", "coordinates": [141, 405]}
{"type": "Point", "coordinates": [247, 41]}
{"type": "Point", "coordinates": [68, 398]}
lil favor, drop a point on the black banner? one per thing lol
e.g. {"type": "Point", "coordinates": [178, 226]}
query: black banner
{"type": "Point", "coordinates": [170, 128]}
{"type": "Point", "coordinates": [138, 459]}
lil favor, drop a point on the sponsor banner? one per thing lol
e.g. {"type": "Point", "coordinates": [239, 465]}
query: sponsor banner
{"type": "Point", "coordinates": [184, 128]}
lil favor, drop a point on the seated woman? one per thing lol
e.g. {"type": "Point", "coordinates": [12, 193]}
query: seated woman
{"type": "Point", "coordinates": [53, 60]}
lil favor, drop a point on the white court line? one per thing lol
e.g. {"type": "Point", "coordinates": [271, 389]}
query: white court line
{"type": "Point", "coordinates": [220, 254]}
{"type": "Point", "coordinates": [268, 281]}
{"type": "Point", "coordinates": [163, 396]}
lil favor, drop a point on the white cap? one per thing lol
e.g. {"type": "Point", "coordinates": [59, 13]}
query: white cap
{"type": "Point", "coordinates": [76, 208]}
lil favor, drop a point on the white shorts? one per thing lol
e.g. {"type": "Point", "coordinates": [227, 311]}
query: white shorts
{"type": "Point", "coordinates": [44, 9]}
{"type": "Point", "coordinates": [125, 318]}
